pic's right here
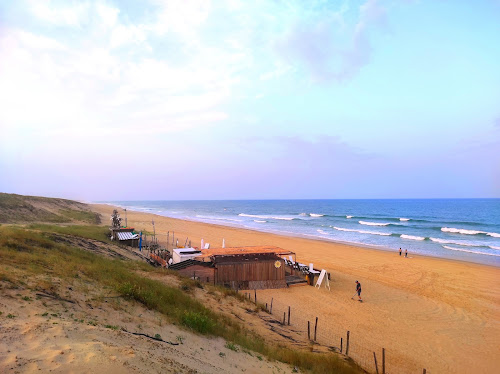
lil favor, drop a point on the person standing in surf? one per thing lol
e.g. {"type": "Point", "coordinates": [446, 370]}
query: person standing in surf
{"type": "Point", "coordinates": [400, 252]}
{"type": "Point", "coordinates": [358, 290]}
{"type": "Point", "coordinates": [406, 253]}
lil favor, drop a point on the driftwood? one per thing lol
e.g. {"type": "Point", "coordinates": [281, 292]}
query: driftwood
{"type": "Point", "coordinates": [55, 297]}
{"type": "Point", "coordinates": [149, 337]}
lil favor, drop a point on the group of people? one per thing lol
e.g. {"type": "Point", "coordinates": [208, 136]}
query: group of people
{"type": "Point", "coordinates": [406, 252]}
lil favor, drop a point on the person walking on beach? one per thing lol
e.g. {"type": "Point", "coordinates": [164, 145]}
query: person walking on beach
{"type": "Point", "coordinates": [358, 290]}
{"type": "Point", "coordinates": [400, 252]}
{"type": "Point", "coordinates": [406, 253]}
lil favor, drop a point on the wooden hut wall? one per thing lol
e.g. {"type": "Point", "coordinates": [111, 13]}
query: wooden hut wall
{"type": "Point", "coordinates": [205, 274]}
{"type": "Point", "coordinates": [261, 270]}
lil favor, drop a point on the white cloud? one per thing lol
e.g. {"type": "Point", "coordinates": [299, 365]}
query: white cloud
{"type": "Point", "coordinates": [60, 13]}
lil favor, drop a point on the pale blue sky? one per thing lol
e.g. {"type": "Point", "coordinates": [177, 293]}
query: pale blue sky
{"type": "Point", "coordinates": [110, 100]}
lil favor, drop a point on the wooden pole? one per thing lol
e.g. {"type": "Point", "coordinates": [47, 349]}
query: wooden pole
{"type": "Point", "coordinates": [376, 365]}
{"type": "Point", "coordinates": [289, 316]}
{"type": "Point", "coordinates": [266, 308]}
{"type": "Point", "coordinates": [271, 305]}
{"type": "Point", "coordinates": [424, 371]}
{"type": "Point", "coordinates": [315, 328]}
{"type": "Point", "coordinates": [284, 314]}
{"type": "Point", "coordinates": [308, 330]}
{"type": "Point", "coordinates": [341, 343]}
{"type": "Point", "coordinates": [347, 345]}
{"type": "Point", "coordinates": [255, 291]}
{"type": "Point", "coordinates": [383, 360]}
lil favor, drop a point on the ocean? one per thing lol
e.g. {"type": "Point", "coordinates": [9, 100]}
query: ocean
{"type": "Point", "coordinates": [462, 229]}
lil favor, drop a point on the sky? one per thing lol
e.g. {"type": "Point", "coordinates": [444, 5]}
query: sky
{"type": "Point", "coordinates": [105, 100]}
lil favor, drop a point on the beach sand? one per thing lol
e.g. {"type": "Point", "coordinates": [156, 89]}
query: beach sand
{"type": "Point", "coordinates": [432, 313]}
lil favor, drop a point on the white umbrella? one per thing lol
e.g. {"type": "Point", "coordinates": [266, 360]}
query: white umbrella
{"type": "Point", "coordinates": [223, 243]}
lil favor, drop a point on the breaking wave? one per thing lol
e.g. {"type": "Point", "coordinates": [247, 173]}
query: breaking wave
{"type": "Point", "coordinates": [446, 241]}
{"type": "Point", "coordinates": [411, 237]}
{"type": "Point", "coordinates": [267, 217]}
{"type": "Point", "coordinates": [493, 247]}
{"type": "Point", "coordinates": [373, 223]}
{"type": "Point", "coordinates": [363, 231]}
{"type": "Point", "coordinates": [259, 221]}
{"type": "Point", "coordinates": [404, 219]}
{"type": "Point", "coordinates": [219, 218]}
{"type": "Point", "coordinates": [349, 216]}
{"type": "Point", "coordinates": [465, 250]}
{"type": "Point", "coordinates": [316, 215]}
{"type": "Point", "coordinates": [469, 232]}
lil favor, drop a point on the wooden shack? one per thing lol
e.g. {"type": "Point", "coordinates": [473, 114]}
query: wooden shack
{"type": "Point", "coordinates": [247, 267]}
{"type": "Point", "coordinates": [249, 271]}
{"type": "Point", "coordinates": [203, 271]}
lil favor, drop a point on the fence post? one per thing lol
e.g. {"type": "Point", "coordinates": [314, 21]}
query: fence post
{"type": "Point", "coordinates": [255, 291]}
{"type": "Point", "coordinates": [347, 345]}
{"type": "Point", "coordinates": [341, 343]}
{"type": "Point", "coordinates": [315, 328]}
{"type": "Point", "coordinates": [308, 330]}
{"type": "Point", "coordinates": [271, 305]}
{"type": "Point", "coordinates": [289, 316]}
{"type": "Point", "coordinates": [424, 371]}
{"type": "Point", "coordinates": [284, 314]}
{"type": "Point", "coordinates": [375, 358]}
{"type": "Point", "coordinates": [383, 360]}
{"type": "Point", "coordinates": [267, 310]}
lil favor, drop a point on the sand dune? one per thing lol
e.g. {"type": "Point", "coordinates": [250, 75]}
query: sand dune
{"type": "Point", "coordinates": [431, 313]}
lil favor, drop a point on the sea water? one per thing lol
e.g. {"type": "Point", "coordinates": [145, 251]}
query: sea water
{"type": "Point", "coordinates": [463, 229]}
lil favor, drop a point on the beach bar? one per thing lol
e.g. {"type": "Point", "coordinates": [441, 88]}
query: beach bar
{"type": "Point", "coordinates": [243, 268]}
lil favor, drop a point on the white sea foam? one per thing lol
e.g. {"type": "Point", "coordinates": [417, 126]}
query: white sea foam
{"type": "Point", "coordinates": [219, 218]}
{"type": "Point", "coordinates": [373, 223]}
{"type": "Point", "coordinates": [456, 242]}
{"type": "Point", "coordinates": [461, 231]}
{"type": "Point", "coordinates": [493, 247]}
{"type": "Point", "coordinates": [251, 215]}
{"type": "Point", "coordinates": [362, 231]}
{"type": "Point", "coordinates": [322, 232]}
{"type": "Point", "coordinates": [259, 221]}
{"type": "Point", "coordinates": [349, 216]}
{"type": "Point", "coordinates": [266, 217]}
{"type": "Point", "coordinates": [303, 214]}
{"type": "Point", "coordinates": [465, 250]}
{"type": "Point", "coordinates": [411, 237]}
{"type": "Point", "coordinates": [316, 215]}
{"type": "Point", "coordinates": [404, 219]}
{"type": "Point", "coordinates": [469, 232]}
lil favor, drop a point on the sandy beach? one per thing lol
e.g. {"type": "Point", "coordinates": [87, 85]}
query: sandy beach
{"type": "Point", "coordinates": [432, 313]}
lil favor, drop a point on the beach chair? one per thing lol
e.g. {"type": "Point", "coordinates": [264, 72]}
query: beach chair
{"type": "Point", "coordinates": [298, 265]}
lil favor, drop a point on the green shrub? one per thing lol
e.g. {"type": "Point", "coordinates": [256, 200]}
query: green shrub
{"type": "Point", "coordinates": [198, 322]}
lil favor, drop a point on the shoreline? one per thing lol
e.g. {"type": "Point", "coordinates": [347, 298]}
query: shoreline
{"type": "Point", "coordinates": [438, 313]}
{"type": "Point", "coordinates": [356, 245]}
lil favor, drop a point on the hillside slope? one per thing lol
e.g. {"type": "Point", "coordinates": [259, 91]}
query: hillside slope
{"type": "Point", "coordinates": [22, 209]}
{"type": "Point", "coordinates": [72, 299]}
